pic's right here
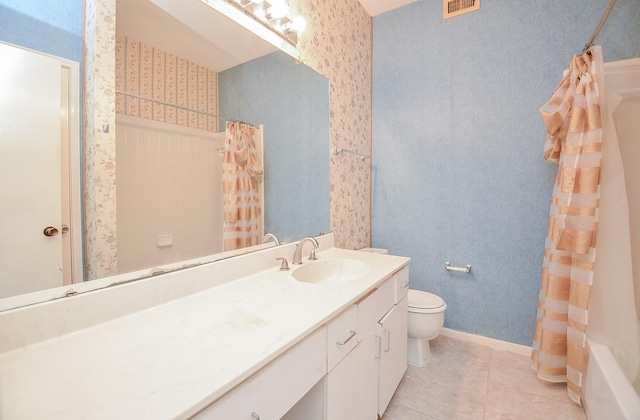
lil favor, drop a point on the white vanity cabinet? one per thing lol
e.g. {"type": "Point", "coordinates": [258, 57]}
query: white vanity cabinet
{"type": "Point", "coordinates": [361, 385]}
{"type": "Point", "coordinates": [362, 351]}
{"type": "Point", "coordinates": [274, 390]}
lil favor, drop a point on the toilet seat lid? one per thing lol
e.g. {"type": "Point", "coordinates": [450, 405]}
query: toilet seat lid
{"type": "Point", "coordinates": [424, 300]}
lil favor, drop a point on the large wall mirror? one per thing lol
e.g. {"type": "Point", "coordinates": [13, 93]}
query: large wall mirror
{"type": "Point", "coordinates": [256, 83]}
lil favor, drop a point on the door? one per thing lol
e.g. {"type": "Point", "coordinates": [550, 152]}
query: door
{"type": "Point", "coordinates": [352, 386]}
{"type": "Point", "coordinates": [393, 357]}
{"type": "Point", "coordinates": [30, 171]}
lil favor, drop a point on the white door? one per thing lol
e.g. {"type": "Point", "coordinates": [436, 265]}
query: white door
{"type": "Point", "coordinates": [393, 355]}
{"type": "Point", "coordinates": [30, 177]}
{"type": "Point", "coordinates": [352, 386]}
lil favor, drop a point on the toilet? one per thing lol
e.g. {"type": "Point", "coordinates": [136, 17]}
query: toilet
{"type": "Point", "coordinates": [425, 312]}
{"type": "Point", "coordinates": [425, 321]}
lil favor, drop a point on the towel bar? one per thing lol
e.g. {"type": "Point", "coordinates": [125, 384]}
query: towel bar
{"type": "Point", "coordinates": [338, 150]}
{"type": "Point", "coordinates": [447, 266]}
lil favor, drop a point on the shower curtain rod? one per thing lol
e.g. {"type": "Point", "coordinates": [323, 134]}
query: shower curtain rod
{"type": "Point", "coordinates": [600, 25]}
{"type": "Point", "coordinates": [206, 114]}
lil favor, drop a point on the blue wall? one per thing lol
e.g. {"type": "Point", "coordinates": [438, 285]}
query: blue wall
{"type": "Point", "coordinates": [53, 27]}
{"type": "Point", "coordinates": [292, 101]}
{"type": "Point", "coordinates": [458, 172]}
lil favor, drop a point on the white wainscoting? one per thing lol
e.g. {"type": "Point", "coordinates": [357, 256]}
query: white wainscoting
{"type": "Point", "coordinates": [169, 182]}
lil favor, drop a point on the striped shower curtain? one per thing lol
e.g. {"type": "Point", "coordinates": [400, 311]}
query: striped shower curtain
{"type": "Point", "coordinates": [574, 140]}
{"type": "Point", "coordinates": [241, 170]}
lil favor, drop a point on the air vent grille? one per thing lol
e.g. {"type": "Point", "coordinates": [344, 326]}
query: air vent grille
{"type": "Point", "coordinates": [453, 8]}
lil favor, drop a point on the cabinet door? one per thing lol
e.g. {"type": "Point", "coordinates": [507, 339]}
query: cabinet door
{"type": "Point", "coordinates": [352, 386]}
{"type": "Point", "coordinates": [393, 359]}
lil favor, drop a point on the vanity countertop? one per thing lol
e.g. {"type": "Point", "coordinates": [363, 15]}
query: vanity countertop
{"type": "Point", "coordinates": [174, 359]}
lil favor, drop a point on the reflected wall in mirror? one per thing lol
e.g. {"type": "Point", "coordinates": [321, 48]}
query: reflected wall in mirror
{"type": "Point", "coordinates": [287, 98]}
{"type": "Point", "coordinates": [293, 100]}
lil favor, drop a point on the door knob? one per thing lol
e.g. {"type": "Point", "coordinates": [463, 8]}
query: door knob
{"type": "Point", "coordinates": [50, 231]}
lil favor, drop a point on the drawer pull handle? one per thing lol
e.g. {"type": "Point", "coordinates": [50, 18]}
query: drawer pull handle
{"type": "Point", "coordinates": [388, 333]}
{"type": "Point", "coordinates": [254, 416]}
{"type": "Point", "coordinates": [352, 334]}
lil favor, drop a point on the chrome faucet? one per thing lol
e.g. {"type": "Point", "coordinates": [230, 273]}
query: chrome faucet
{"type": "Point", "coordinates": [270, 236]}
{"type": "Point", "coordinates": [297, 255]}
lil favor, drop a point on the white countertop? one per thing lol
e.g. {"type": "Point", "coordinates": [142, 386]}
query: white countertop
{"type": "Point", "coordinates": [174, 359]}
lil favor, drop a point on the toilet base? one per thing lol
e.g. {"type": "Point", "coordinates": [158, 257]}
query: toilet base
{"type": "Point", "coordinates": [418, 351]}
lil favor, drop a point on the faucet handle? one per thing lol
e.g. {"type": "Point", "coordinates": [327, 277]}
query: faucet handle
{"type": "Point", "coordinates": [312, 254]}
{"type": "Point", "coordinates": [284, 265]}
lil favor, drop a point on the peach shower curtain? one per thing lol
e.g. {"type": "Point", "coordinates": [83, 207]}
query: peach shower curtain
{"type": "Point", "coordinates": [574, 141]}
{"type": "Point", "coordinates": [241, 168]}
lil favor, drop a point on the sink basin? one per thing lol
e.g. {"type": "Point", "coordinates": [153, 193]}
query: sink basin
{"type": "Point", "coordinates": [331, 271]}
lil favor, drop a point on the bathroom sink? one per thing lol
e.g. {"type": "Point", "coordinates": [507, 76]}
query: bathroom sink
{"type": "Point", "coordinates": [331, 271]}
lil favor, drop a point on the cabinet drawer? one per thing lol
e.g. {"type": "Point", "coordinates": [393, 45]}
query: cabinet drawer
{"type": "Point", "coordinates": [271, 392]}
{"type": "Point", "coordinates": [341, 336]}
{"type": "Point", "coordinates": [402, 283]}
{"type": "Point", "coordinates": [374, 305]}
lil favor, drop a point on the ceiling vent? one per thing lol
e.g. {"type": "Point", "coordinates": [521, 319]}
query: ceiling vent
{"type": "Point", "coordinates": [453, 8]}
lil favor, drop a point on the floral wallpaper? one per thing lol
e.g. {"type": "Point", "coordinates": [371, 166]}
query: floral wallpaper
{"type": "Point", "coordinates": [337, 42]}
{"type": "Point", "coordinates": [99, 146]}
{"type": "Point", "coordinates": [150, 72]}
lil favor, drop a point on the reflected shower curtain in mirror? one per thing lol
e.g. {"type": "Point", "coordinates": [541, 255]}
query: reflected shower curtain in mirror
{"type": "Point", "coordinates": [574, 140]}
{"type": "Point", "coordinates": [241, 170]}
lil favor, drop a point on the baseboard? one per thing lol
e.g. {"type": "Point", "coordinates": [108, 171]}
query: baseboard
{"type": "Point", "coordinates": [486, 341]}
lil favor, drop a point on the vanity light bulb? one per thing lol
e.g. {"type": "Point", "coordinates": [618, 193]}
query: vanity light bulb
{"type": "Point", "coordinates": [298, 23]}
{"type": "Point", "coordinates": [277, 11]}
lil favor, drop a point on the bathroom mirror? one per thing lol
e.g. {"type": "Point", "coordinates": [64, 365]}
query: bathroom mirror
{"type": "Point", "coordinates": [261, 85]}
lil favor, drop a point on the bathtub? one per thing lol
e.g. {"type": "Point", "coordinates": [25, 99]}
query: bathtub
{"type": "Point", "coordinates": [607, 392]}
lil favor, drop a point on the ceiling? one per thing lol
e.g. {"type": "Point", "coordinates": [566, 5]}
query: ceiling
{"type": "Point", "coordinates": [375, 7]}
{"type": "Point", "coordinates": [209, 38]}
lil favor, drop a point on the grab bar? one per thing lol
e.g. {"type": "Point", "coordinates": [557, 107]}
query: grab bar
{"type": "Point", "coordinates": [448, 267]}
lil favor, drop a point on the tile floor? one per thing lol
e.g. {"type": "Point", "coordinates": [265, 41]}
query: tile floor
{"type": "Point", "coordinates": [470, 381]}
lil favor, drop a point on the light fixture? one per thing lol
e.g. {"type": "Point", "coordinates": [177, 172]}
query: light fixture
{"type": "Point", "coordinates": [273, 14]}
{"type": "Point", "coordinates": [277, 10]}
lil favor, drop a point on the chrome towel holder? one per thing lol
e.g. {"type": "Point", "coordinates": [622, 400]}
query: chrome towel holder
{"type": "Point", "coordinates": [448, 267]}
{"type": "Point", "coordinates": [337, 150]}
